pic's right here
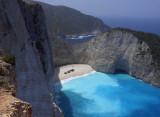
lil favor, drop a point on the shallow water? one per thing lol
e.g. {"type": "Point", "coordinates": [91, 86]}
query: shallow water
{"type": "Point", "coordinates": [105, 95]}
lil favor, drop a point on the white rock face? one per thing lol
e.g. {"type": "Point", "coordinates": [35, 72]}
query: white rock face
{"type": "Point", "coordinates": [23, 33]}
{"type": "Point", "coordinates": [122, 51]}
{"type": "Point", "coordinates": [109, 52]}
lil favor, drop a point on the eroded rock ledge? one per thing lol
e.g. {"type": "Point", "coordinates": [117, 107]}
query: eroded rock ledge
{"type": "Point", "coordinates": [9, 105]}
{"type": "Point", "coordinates": [109, 52]}
{"type": "Point", "coordinates": [13, 107]}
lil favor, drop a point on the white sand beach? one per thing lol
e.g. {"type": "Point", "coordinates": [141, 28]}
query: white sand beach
{"type": "Point", "coordinates": [68, 72]}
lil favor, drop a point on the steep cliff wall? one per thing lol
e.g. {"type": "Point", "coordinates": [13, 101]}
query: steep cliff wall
{"type": "Point", "coordinates": [23, 34]}
{"type": "Point", "coordinates": [109, 52]}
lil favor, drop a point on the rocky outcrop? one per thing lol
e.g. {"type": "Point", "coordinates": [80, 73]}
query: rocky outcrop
{"type": "Point", "coordinates": [109, 52]}
{"type": "Point", "coordinates": [8, 78]}
{"type": "Point", "coordinates": [13, 107]}
{"type": "Point", "coordinates": [9, 105]}
{"type": "Point", "coordinates": [7, 70]}
{"type": "Point", "coordinates": [23, 34]}
{"type": "Point", "coordinates": [21, 109]}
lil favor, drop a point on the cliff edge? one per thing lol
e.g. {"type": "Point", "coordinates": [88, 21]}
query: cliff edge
{"type": "Point", "coordinates": [23, 34]}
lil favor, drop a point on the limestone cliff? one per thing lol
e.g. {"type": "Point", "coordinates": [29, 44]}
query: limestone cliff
{"type": "Point", "coordinates": [109, 52]}
{"type": "Point", "coordinates": [23, 33]}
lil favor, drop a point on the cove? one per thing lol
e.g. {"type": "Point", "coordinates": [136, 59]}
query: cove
{"type": "Point", "coordinates": [79, 40]}
{"type": "Point", "coordinates": [105, 95]}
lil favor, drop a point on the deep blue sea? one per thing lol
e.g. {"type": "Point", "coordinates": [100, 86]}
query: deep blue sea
{"type": "Point", "coordinates": [145, 25]}
{"type": "Point", "coordinates": [138, 24]}
{"type": "Point", "coordinates": [106, 95]}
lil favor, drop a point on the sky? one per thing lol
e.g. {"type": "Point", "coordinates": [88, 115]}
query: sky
{"type": "Point", "coordinates": [149, 9]}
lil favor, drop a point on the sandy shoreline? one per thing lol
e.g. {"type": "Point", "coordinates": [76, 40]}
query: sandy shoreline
{"type": "Point", "coordinates": [69, 72]}
{"type": "Point", "coordinates": [71, 78]}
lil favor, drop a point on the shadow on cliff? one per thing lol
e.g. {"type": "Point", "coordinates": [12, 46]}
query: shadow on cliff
{"type": "Point", "coordinates": [119, 71]}
{"type": "Point", "coordinates": [56, 75]}
{"type": "Point", "coordinates": [62, 99]}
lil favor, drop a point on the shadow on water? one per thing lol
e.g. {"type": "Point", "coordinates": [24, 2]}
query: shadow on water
{"type": "Point", "coordinates": [67, 99]}
{"type": "Point", "coordinates": [65, 105]}
{"type": "Point", "coordinates": [78, 102]}
{"type": "Point", "coordinates": [63, 100]}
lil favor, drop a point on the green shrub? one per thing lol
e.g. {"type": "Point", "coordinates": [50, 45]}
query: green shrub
{"type": "Point", "coordinates": [4, 81]}
{"type": "Point", "coordinates": [9, 59]}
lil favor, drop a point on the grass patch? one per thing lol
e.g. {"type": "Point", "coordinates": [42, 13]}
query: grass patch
{"type": "Point", "coordinates": [9, 59]}
{"type": "Point", "coordinates": [4, 81]}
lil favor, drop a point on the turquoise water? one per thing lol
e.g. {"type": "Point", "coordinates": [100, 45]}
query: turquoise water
{"type": "Point", "coordinates": [105, 95]}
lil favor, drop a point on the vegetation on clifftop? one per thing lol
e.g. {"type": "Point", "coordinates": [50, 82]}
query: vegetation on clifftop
{"type": "Point", "coordinates": [152, 40]}
{"type": "Point", "coordinates": [63, 20]}
{"type": "Point", "coordinates": [9, 59]}
{"type": "Point", "coordinates": [4, 81]}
